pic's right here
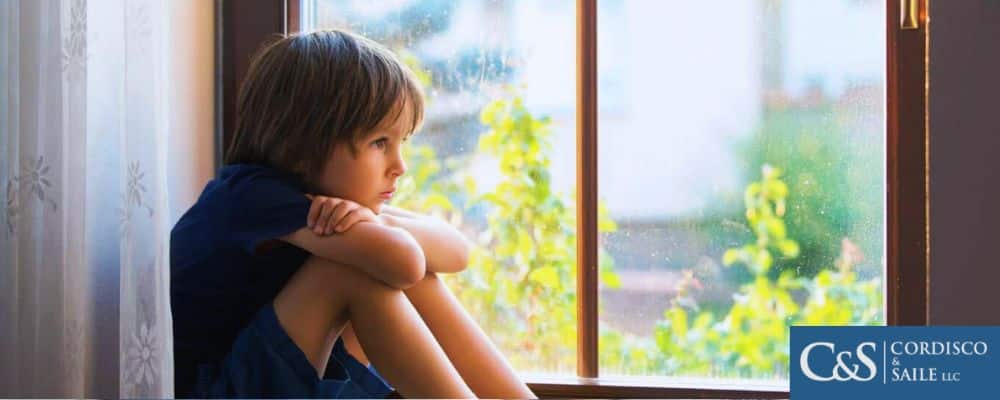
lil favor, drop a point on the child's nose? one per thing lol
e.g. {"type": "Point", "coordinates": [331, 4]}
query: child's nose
{"type": "Point", "coordinates": [401, 170]}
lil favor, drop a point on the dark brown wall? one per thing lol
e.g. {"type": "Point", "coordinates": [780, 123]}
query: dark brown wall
{"type": "Point", "coordinates": [242, 28]}
{"type": "Point", "coordinates": [964, 162]}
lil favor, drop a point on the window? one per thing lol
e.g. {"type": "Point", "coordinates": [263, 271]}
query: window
{"type": "Point", "coordinates": [698, 104]}
{"type": "Point", "coordinates": [743, 163]}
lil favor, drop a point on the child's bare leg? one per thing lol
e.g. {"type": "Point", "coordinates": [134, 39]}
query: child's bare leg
{"type": "Point", "coordinates": [352, 344]}
{"type": "Point", "coordinates": [478, 361]}
{"type": "Point", "coordinates": [431, 293]}
{"type": "Point", "coordinates": [322, 296]}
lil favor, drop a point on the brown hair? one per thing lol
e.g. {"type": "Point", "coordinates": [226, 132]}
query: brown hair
{"type": "Point", "coordinates": [305, 93]}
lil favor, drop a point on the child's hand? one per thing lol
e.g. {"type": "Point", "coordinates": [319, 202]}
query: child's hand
{"type": "Point", "coordinates": [331, 214]}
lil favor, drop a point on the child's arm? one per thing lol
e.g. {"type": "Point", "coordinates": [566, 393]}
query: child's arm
{"type": "Point", "coordinates": [445, 248]}
{"type": "Point", "coordinates": [386, 253]}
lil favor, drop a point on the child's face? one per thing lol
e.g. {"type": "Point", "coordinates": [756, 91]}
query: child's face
{"type": "Point", "coordinates": [365, 179]}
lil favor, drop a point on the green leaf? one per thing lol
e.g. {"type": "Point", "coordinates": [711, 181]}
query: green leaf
{"type": "Point", "coordinates": [470, 184]}
{"type": "Point", "coordinates": [439, 200]}
{"type": "Point", "coordinates": [762, 261]}
{"type": "Point", "coordinates": [488, 115]}
{"type": "Point", "coordinates": [730, 257]}
{"type": "Point", "coordinates": [524, 242]}
{"type": "Point", "coordinates": [776, 228]}
{"type": "Point", "coordinates": [610, 280]}
{"type": "Point", "coordinates": [789, 248]}
{"type": "Point", "coordinates": [750, 195]}
{"type": "Point", "coordinates": [547, 276]}
{"type": "Point", "coordinates": [778, 189]}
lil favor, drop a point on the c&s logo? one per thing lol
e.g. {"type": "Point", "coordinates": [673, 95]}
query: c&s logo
{"type": "Point", "coordinates": [847, 364]}
{"type": "Point", "coordinates": [881, 362]}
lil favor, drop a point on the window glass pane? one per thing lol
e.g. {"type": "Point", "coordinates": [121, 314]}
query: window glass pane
{"type": "Point", "coordinates": [742, 163]}
{"type": "Point", "coordinates": [495, 155]}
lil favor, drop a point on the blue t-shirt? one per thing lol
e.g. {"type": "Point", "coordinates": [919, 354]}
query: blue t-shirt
{"type": "Point", "coordinates": [225, 264]}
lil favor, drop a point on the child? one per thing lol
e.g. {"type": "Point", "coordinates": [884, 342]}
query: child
{"type": "Point", "coordinates": [289, 261]}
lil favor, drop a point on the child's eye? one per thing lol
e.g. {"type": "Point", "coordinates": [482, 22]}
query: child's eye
{"type": "Point", "coordinates": [381, 143]}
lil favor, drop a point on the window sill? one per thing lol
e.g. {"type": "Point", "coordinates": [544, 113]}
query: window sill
{"type": "Point", "coordinates": [549, 386]}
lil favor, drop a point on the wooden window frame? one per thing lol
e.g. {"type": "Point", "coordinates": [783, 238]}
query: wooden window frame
{"type": "Point", "coordinates": [243, 26]}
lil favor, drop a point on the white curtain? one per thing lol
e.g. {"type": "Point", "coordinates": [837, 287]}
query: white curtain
{"type": "Point", "coordinates": [84, 271]}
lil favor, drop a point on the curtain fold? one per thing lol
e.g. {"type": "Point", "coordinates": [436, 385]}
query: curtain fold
{"type": "Point", "coordinates": [84, 269]}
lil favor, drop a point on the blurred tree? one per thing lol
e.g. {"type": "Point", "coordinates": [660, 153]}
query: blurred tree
{"type": "Point", "coordinates": [831, 174]}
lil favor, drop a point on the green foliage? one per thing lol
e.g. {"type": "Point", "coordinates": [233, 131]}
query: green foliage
{"type": "Point", "coordinates": [831, 166]}
{"type": "Point", "coordinates": [765, 204]}
{"type": "Point", "coordinates": [522, 276]}
{"type": "Point", "coordinates": [752, 339]}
